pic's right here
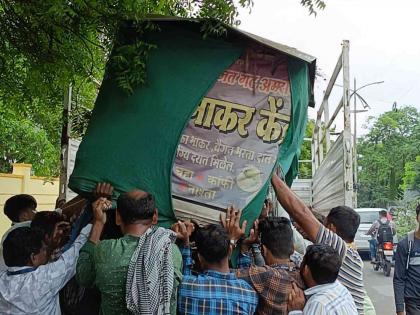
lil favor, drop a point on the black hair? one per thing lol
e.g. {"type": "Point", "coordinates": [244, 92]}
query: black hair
{"type": "Point", "coordinates": [20, 244]}
{"type": "Point", "coordinates": [323, 262]}
{"type": "Point", "coordinates": [383, 213]}
{"type": "Point", "coordinates": [17, 204]}
{"type": "Point", "coordinates": [212, 243]}
{"type": "Point", "coordinates": [277, 236]}
{"type": "Point", "coordinates": [418, 209]}
{"type": "Point", "coordinates": [346, 222]}
{"type": "Point", "coordinates": [45, 221]}
{"type": "Point", "coordinates": [319, 216]}
{"type": "Point", "coordinates": [132, 209]}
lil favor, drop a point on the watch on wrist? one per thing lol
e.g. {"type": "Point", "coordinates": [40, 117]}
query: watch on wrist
{"type": "Point", "coordinates": [233, 243]}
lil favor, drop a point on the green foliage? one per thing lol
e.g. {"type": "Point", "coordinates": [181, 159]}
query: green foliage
{"type": "Point", "coordinates": [406, 218]}
{"type": "Point", "coordinates": [69, 39]}
{"type": "Point", "coordinates": [411, 178]}
{"type": "Point", "coordinates": [313, 5]}
{"type": "Point", "coordinates": [128, 65]}
{"type": "Point", "coordinates": [393, 140]}
{"type": "Point", "coordinates": [22, 141]}
{"type": "Point", "coordinates": [305, 169]}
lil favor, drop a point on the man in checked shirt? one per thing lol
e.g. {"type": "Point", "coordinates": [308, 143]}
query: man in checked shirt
{"type": "Point", "coordinates": [272, 281]}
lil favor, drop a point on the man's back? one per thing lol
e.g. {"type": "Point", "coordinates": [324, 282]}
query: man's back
{"type": "Point", "coordinates": [273, 285]}
{"type": "Point", "coordinates": [105, 266]}
{"type": "Point", "coordinates": [216, 293]}
{"type": "Point", "coordinates": [329, 299]}
{"type": "Point", "coordinates": [351, 271]}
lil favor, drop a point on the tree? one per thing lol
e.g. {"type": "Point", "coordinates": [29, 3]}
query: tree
{"type": "Point", "coordinates": [411, 178]}
{"type": "Point", "coordinates": [393, 140]}
{"type": "Point", "coordinates": [22, 141]}
{"type": "Point", "coordinates": [47, 45]}
{"type": "Point", "coordinates": [305, 169]}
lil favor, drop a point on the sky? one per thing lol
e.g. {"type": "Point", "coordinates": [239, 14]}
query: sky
{"type": "Point", "coordinates": [384, 45]}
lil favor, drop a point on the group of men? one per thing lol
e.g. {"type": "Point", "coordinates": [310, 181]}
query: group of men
{"type": "Point", "coordinates": [68, 261]}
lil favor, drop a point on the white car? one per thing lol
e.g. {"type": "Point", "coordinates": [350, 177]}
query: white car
{"type": "Point", "coordinates": [367, 217]}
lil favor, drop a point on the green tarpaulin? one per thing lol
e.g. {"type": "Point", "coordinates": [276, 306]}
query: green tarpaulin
{"type": "Point", "coordinates": [131, 140]}
{"type": "Point", "coordinates": [290, 149]}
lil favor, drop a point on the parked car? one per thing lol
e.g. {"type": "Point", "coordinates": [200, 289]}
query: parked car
{"type": "Point", "coordinates": [367, 217]}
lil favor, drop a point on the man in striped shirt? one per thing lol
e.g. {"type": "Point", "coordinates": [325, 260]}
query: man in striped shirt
{"type": "Point", "coordinates": [341, 227]}
{"type": "Point", "coordinates": [326, 295]}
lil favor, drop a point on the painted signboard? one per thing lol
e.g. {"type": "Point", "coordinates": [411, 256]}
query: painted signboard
{"type": "Point", "coordinates": [230, 145]}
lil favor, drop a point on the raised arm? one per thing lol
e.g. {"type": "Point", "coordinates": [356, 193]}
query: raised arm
{"type": "Point", "coordinates": [85, 274]}
{"type": "Point", "coordinates": [296, 208]}
{"type": "Point", "coordinates": [61, 271]}
{"type": "Point", "coordinates": [183, 232]}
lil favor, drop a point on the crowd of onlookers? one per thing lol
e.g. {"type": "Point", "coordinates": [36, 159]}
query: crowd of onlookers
{"type": "Point", "coordinates": [88, 257]}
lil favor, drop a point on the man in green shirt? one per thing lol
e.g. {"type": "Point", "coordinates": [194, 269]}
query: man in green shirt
{"type": "Point", "coordinates": [105, 263]}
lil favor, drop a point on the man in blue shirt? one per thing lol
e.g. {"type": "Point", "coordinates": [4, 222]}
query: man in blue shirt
{"type": "Point", "coordinates": [216, 290]}
{"type": "Point", "coordinates": [407, 273]}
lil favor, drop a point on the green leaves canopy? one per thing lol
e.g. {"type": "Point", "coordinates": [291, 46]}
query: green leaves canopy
{"type": "Point", "coordinates": [392, 141]}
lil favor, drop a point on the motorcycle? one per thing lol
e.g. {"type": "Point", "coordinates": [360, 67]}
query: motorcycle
{"type": "Point", "coordinates": [384, 258]}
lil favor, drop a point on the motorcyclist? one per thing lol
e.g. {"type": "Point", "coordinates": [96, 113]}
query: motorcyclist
{"type": "Point", "coordinates": [382, 223]}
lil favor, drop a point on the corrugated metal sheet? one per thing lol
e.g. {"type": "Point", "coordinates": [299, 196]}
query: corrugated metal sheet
{"type": "Point", "coordinates": [303, 189]}
{"type": "Point", "coordinates": [328, 188]}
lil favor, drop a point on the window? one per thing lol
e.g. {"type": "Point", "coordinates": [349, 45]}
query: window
{"type": "Point", "coordinates": [368, 217]}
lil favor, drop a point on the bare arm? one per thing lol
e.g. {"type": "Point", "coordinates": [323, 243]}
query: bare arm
{"type": "Point", "coordinates": [296, 208]}
{"type": "Point", "coordinates": [100, 206]}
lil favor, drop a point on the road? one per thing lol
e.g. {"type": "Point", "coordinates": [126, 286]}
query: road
{"type": "Point", "coordinates": [379, 289]}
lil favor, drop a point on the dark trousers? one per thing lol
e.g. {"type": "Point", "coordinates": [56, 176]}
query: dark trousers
{"type": "Point", "coordinates": [412, 307]}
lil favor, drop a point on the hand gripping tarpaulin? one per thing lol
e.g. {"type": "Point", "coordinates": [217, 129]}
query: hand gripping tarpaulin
{"type": "Point", "coordinates": [131, 141]}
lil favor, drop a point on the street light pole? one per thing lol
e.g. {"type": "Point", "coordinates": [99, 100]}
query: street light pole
{"type": "Point", "coordinates": [355, 111]}
{"type": "Point", "coordinates": [355, 164]}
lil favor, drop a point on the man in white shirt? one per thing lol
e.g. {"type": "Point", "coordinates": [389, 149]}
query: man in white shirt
{"type": "Point", "coordinates": [326, 295]}
{"type": "Point", "coordinates": [30, 286]}
{"type": "Point", "coordinates": [20, 209]}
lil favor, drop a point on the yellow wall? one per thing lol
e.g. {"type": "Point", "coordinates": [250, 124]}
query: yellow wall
{"type": "Point", "coordinates": [21, 182]}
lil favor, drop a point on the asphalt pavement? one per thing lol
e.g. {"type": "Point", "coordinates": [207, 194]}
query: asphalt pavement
{"type": "Point", "coordinates": [380, 289]}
